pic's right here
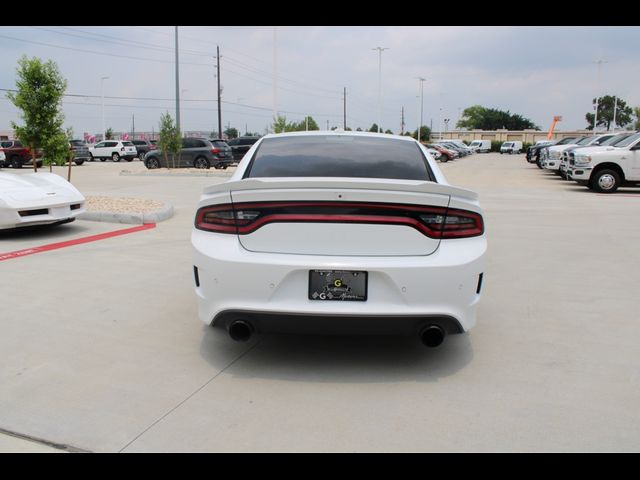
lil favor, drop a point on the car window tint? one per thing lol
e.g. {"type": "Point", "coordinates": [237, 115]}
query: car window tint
{"type": "Point", "coordinates": [220, 144]}
{"type": "Point", "coordinates": [339, 156]}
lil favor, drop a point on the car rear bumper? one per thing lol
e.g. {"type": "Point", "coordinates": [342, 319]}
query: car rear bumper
{"type": "Point", "coordinates": [403, 291]}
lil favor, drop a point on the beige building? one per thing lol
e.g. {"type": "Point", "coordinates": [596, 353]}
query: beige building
{"type": "Point", "coordinates": [525, 136]}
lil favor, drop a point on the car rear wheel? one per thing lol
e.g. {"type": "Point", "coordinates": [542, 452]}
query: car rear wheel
{"type": "Point", "coordinates": [152, 163]}
{"type": "Point", "coordinates": [115, 157]}
{"type": "Point", "coordinates": [201, 162]}
{"type": "Point", "coordinates": [79, 162]}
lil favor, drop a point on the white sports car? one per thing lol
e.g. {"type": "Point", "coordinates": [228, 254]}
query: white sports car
{"type": "Point", "coordinates": [37, 199]}
{"type": "Point", "coordinates": [338, 233]}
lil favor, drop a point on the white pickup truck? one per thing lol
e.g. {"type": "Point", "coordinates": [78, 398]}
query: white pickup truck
{"type": "Point", "coordinates": [605, 169]}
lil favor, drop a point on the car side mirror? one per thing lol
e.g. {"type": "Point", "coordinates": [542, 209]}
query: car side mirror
{"type": "Point", "coordinates": [636, 147]}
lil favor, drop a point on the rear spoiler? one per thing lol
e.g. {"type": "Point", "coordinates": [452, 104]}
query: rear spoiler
{"type": "Point", "coordinates": [266, 183]}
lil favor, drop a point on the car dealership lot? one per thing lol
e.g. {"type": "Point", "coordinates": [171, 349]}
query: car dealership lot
{"type": "Point", "coordinates": [102, 349]}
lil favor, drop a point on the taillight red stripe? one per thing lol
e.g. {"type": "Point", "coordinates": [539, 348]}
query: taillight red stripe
{"type": "Point", "coordinates": [470, 223]}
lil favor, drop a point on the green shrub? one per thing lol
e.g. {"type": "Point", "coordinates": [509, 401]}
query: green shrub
{"type": "Point", "coordinates": [495, 145]}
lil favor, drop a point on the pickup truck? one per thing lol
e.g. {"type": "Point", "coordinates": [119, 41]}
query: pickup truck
{"type": "Point", "coordinates": [605, 169]}
{"type": "Point", "coordinates": [17, 155]}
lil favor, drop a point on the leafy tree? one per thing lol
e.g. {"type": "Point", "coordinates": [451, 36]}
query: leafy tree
{"type": "Point", "coordinates": [388, 131]}
{"type": "Point", "coordinates": [280, 124]}
{"type": "Point", "coordinates": [302, 125]}
{"type": "Point", "coordinates": [358, 129]}
{"type": "Point", "coordinates": [108, 134]}
{"type": "Point", "coordinates": [231, 132]}
{"type": "Point", "coordinates": [374, 128]}
{"type": "Point", "coordinates": [606, 107]}
{"type": "Point", "coordinates": [170, 139]}
{"type": "Point", "coordinates": [479, 117]}
{"type": "Point", "coordinates": [636, 112]}
{"type": "Point", "coordinates": [425, 133]}
{"type": "Point", "coordinates": [40, 88]}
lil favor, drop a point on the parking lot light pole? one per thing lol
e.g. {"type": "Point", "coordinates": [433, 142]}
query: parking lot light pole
{"type": "Point", "coordinates": [102, 79]}
{"type": "Point", "coordinates": [421, 79]}
{"type": "Point", "coordinates": [380, 49]}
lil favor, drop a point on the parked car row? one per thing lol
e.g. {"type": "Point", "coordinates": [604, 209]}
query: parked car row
{"type": "Point", "coordinates": [600, 162]}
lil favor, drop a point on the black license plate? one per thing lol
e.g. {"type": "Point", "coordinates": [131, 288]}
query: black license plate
{"type": "Point", "coordinates": [343, 285]}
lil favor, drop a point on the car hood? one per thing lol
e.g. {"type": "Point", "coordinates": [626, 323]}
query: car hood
{"type": "Point", "coordinates": [598, 149]}
{"type": "Point", "coordinates": [34, 189]}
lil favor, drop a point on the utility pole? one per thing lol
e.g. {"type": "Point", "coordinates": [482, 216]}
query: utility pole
{"type": "Point", "coordinates": [219, 103]}
{"type": "Point", "coordinates": [275, 75]}
{"type": "Point", "coordinates": [615, 109]}
{"type": "Point", "coordinates": [402, 122]}
{"type": "Point", "coordinates": [327, 125]}
{"type": "Point", "coordinates": [133, 126]}
{"type": "Point", "coordinates": [177, 85]}
{"type": "Point", "coordinates": [344, 121]}
{"type": "Point", "coordinates": [380, 49]}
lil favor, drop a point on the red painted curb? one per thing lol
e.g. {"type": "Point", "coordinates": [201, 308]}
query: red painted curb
{"type": "Point", "coordinates": [77, 241]}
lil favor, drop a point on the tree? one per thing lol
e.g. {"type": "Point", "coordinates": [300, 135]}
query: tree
{"type": "Point", "coordinates": [40, 88]}
{"type": "Point", "coordinates": [388, 131]}
{"type": "Point", "coordinates": [170, 141]}
{"type": "Point", "coordinates": [636, 112]}
{"type": "Point", "coordinates": [307, 121]}
{"type": "Point", "coordinates": [606, 107]}
{"type": "Point", "coordinates": [280, 125]}
{"type": "Point", "coordinates": [231, 132]}
{"type": "Point", "coordinates": [108, 135]}
{"type": "Point", "coordinates": [374, 128]}
{"type": "Point", "coordinates": [479, 117]}
{"type": "Point", "coordinates": [425, 133]}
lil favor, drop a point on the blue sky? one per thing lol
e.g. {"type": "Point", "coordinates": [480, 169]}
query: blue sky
{"type": "Point", "coordinates": [537, 72]}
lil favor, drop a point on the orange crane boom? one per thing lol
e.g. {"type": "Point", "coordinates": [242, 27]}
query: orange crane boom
{"type": "Point", "coordinates": [556, 119]}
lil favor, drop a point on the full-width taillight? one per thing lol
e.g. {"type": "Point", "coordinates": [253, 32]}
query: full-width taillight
{"type": "Point", "coordinates": [434, 222]}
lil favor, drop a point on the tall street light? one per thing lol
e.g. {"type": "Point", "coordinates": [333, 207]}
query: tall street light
{"type": "Point", "coordinates": [421, 79]}
{"type": "Point", "coordinates": [595, 117]}
{"type": "Point", "coordinates": [102, 79]}
{"type": "Point", "coordinates": [380, 49]}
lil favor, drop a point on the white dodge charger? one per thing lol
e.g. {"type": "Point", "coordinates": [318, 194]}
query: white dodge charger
{"type": "Point", "coordinates": [37, 199]}
{"type": "Point", "coordinates": [338, 233]}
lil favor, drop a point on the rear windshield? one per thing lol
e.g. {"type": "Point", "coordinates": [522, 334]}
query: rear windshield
{"type": "Point", "coordinates": [219, 144]}
{"type": "Point", "coordinates": [77, 143]}
{"type": "Point", "coordinates": [339, 156]}
{"type": "Point", "coordinates": [127, 144]}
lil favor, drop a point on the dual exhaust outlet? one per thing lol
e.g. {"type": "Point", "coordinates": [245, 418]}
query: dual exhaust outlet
{"type": "Point", "coordinates": [241, 330]}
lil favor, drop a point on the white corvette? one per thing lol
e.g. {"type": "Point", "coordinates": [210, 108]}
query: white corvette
{"type": "Point", "coordinates": [338, 233]}
{"type": "Point", "coordinates": [37, 199]}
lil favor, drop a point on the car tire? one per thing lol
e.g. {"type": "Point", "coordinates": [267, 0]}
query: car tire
{"type": "Point", "coordinates": [16, 162]}
{"type": "Point", "coordinates": [129, 159]}
{"type": "Point", "coordinates": [91, 159]}
{"type": "Point", "coordinates": [102, 159]}
{"type": "Point", "coordinates": [201, 162]}
{"type": "Point", "coordinates": [605, 181]}
{"type": "Point", "coordinates": [79, 162]}
{"type": "Point", "coordinates": [115, 157]}
{"type": "Point", "coordinates": [152, 163]}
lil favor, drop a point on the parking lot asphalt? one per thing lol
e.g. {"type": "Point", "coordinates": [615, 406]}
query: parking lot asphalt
{"type": "Point", "coordinates": [101, 348]}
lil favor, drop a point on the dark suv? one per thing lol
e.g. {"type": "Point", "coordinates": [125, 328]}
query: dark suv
{"type": "Point", "coordinates": [80, 151]}
{"type": "Point", "coordinates": [143, 147]}
{"type": "Point", "coordinates": [241, 145]}
{"type": "Point", "coordinates": [17, 154]}
{"type": "Point", "coordinates": [196, 153]}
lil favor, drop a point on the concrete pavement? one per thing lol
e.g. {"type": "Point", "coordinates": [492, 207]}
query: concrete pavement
{"type": "Point", "coordinates": [101, 347]}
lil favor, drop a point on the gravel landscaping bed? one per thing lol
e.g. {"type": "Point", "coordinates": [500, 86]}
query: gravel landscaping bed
{"type": "Point", "coordinates": [125, 210]}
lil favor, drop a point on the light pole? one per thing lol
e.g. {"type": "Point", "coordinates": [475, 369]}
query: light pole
{"type": "Point", "coordinates": [595, 117]}
{"type": "Point", "coordinates": [102, 79]}
{"type": "Point", "coordinates": [421, 80]}
{"type": "Point", "coordinates": [446, 125]}
{"type": "Point", "coordinates": [380, 49]}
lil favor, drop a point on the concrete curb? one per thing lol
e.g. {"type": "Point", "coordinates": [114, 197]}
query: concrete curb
{"type": "Point", "coordinates": [131, 218]}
